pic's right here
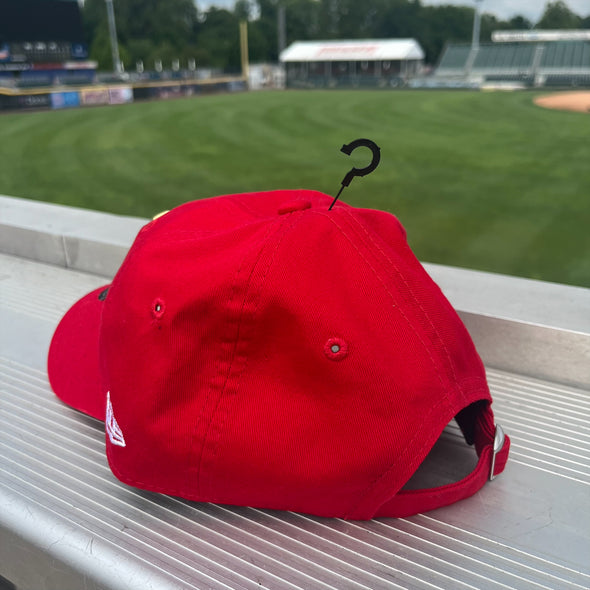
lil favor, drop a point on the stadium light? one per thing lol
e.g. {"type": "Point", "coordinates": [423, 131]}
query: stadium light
{"type": "Point", "coordinates": [476, 25]}
{"type": "Point", "coordinates": [117, 65]}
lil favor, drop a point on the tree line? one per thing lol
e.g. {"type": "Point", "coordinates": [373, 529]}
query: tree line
{"type": "Point", "coordinates": [167, 30]}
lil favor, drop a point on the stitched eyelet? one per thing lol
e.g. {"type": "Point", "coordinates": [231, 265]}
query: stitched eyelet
{"type": "Point", "coordinates": [336, 349]}
{"type": "Point", "coordinates": [158, 308]}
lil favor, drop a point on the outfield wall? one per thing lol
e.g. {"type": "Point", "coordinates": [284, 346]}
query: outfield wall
{"type": "Point", "coordinates": [115, 94]}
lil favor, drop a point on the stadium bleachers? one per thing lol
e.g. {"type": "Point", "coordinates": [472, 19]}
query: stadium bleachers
{"type": "Point", "coordinates": [455, 57]}
{"type": "Point", "coordinates": [497, 57]}
{"type": "Point", "coordinates": [556, 63]}
{"type": "Point", "coordinates": [566, 54]}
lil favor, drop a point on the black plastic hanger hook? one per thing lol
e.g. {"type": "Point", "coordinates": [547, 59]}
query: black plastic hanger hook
{"type": "Point", "coordinates": [348, 149]}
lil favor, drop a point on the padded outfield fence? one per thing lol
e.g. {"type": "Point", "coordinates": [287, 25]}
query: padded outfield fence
{"type": "Point", "coordinates": [60, 97]}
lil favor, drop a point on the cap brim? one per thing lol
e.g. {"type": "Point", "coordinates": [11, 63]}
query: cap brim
{"type": "Point", "coordinates": [73, 359]}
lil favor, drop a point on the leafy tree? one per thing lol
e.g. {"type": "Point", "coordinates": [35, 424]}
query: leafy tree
{"type": "Point", "coordinates": [557, 15]}
{"type": "Point", "coordinates": [302, 20]}
{"type": "Point", "coordinates": [301, 24]}
{"type": "Point", "coordinates": [330, 14]}
{"type": "Point", "coordinates": [144, 28]}
{"type": "Point", "coordinates": [392, 18]}
{"type": "Point", "coordinates": [489, 24]}
{"type": "Point", "coordinates": [519, 23]}
{"type": "Point", "coordinates": [176, 29]}
{"type": "Point", "coordinates": [170, 21]}
{"type": "Point", "coordinates": [444, 24]}
{"type": "Point", "coordinates": [100, 48]}
{"type": "Point", "coordinates": [266, 28]}
{"type": "Point", "coordinates": [243, 9]}
{"type": "Point", "coordinates": [354, 19]}
{"type": "Point", "coordinates": [219, 40]}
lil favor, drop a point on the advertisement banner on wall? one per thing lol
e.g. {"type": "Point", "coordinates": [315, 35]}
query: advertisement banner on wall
{"type": "Point", "coordinates": [34, 101]}
{"type": "Point", "coordinates": [120, 95]}
{"type": "Point", "coordinates": [25, 101]}
{"type": "Point", "coordinates": [95, 96]}
{"type": "Point", "coordinates": [65, 100]}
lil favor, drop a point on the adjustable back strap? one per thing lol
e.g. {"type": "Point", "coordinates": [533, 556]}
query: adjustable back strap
{"type": "Point", "coordinates": [492, 447]}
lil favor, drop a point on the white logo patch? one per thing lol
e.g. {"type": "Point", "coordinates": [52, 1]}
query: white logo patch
{"type": "Point", "coordinates": [113, 430]}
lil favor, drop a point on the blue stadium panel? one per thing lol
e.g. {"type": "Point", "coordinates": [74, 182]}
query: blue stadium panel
{"type": "Point", "coordinates": [32, 79]}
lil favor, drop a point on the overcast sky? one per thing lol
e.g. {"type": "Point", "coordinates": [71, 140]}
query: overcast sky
{"type": "Point", "coordinates": [504, 9]}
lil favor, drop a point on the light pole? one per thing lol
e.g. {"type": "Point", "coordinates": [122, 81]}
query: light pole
{"type": "Point", "coordinates": [117, 65]}
{"type": "Point", "coordinates": [281, 27]}
{"type": "Point", "coordinates": [476, 25]}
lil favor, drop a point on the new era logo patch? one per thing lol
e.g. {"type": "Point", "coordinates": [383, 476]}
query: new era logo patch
{"type": "Point", "coordinates": [113, 430]}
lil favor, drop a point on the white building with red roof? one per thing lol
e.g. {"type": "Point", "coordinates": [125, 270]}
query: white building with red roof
{"type": "Point", "coordinates": [365, 62]}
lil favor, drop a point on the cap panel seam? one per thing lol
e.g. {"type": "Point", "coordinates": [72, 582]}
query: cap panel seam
{"type": "Point", "coordinates": [215, 444]}
{"type": "Point", "coordinates": [416, 300]}
{"type": "Point", "coordinates": [426, 445]}
{"type": "Point", "coordinates": [244, 205]}
{"type": "Point", "coordinates": [241, 204]}
{"type": "Point", "coordinates": [365, 497]}
{"type": "Point", "coordinates": [362, 497]}
{"type": "Point", "coordinates": [210, 393]}
{"type": "Point", "coordinates": [388, 291]}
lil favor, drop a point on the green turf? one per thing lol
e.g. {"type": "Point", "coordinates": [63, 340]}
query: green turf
{"type": "Point", "coordinates": [480, 180]}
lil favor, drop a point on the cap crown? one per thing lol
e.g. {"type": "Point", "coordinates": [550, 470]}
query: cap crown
{"type": "Point", "coordinates": [261, 350]}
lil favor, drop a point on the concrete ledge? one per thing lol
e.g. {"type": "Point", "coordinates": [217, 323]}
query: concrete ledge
{"type": "Point", "coordinates": [524, 326]}
{"type": "Point", "coordinates": [80, 239]}
{"type": "Point", "coordinates": [529, 327]}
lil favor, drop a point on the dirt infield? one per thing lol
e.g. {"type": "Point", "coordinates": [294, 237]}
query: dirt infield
{"type": "Point", "coordinates": [566, 101]}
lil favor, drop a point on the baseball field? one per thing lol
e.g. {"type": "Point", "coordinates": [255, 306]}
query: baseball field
{"type": "Point", "coordinates": [482, 180]}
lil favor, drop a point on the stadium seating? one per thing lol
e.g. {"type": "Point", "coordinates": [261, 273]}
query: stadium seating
{"type": "Point", "coordinates": [504, 57]}
{"type": "Point", "coordinates": [555, 63]}
{"type": "Point", "coordinates": [566, 55]}
{"type": "Point", "coordinates": [454, 57]}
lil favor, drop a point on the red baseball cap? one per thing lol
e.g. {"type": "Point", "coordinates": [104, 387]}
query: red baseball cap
{"type": "Point", "coordinates": [261, 350]}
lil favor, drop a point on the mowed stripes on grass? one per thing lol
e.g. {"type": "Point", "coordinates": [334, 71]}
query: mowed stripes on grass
{"type": "Point", "coordinates": [480, 180]}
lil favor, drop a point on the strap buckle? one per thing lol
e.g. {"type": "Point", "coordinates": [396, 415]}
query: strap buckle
{"type": "Point", "coordinates": [498, 444]}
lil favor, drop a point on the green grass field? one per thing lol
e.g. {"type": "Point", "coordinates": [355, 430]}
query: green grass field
{"type": "Point", "coordinates": [480, 180]}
